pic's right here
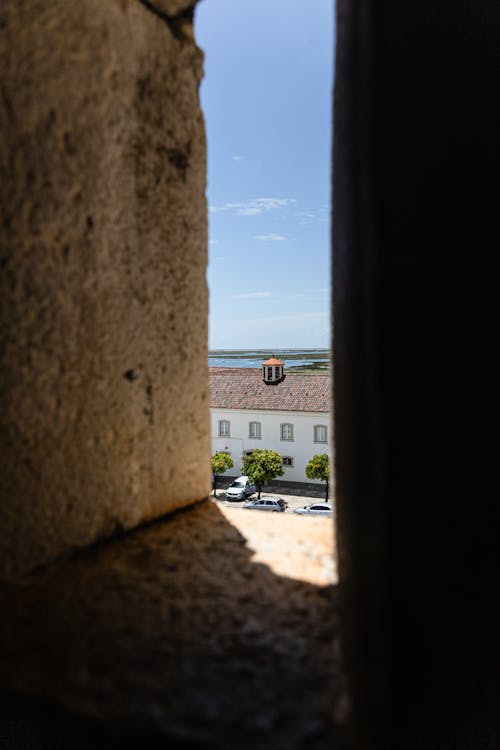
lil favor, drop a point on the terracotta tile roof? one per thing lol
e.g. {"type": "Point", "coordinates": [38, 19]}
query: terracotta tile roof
{"type": "Point", "coordinates": [243, 388]}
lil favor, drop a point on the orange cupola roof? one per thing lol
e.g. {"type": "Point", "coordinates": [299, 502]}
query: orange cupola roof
{"type": "Point", "coordinates": [273, 361]}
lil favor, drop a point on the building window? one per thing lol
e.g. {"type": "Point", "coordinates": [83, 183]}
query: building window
{"type": "Point", "coordinates": [287, 431]}
{"type": "Point", "coordinates": [224, 428]}
{"type": "Point", "coordinates": [269, 373]}
{"type": "Point", "coordinates": [320, 434]}
{"type": "Point", "coordinates": [254, 430]}
{"type": "Point", "coordinates": [287, 461]}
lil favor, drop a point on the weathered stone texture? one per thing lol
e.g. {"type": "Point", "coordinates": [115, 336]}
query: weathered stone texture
{"type": "Point", "coordinates": [178, 629]}
{"type": "Point", "coordinates": [103, 298]}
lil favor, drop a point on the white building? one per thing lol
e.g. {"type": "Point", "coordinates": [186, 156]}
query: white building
{"type": "Point", "coordinates": [268, 408]}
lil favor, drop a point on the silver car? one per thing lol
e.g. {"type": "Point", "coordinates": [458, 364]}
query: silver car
{"type": "Point", "coordinates": [267, 502]}
{"type": "Point", "coordinates": [315, 509]}
{"type": "Point", "coordinates": [240, 489]}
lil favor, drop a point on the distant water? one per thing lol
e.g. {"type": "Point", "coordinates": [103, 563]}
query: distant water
{"type": "Point", "coordinates": [254, 358]}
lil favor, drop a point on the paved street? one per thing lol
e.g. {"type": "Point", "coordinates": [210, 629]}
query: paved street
{"type": "Point", "coordinates": [294, 493]}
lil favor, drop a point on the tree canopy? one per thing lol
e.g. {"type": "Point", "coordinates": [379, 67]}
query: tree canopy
{"type": "Point", "coordinates": [319, 468]}
{"type": "Point", "coordinates": [220, 463]}
{"type": "Point", "coordinates": [262, 465]}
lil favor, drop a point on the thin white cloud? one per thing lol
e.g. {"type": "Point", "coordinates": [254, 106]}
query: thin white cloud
{"type": "Point", "coordinates": [253, 207]}
{"type": "Point", "coordinates": [219, 257]}
{"type": "Point", "coordinates": [237, 158]}
{"type": "Point", "coordinates": [269, 237]}
{"type": "Point", "coordinates": [213, 242]}
{"type": "Point", "coordinates": [252, 295]}
{"type": "Point", "coordinates": [309, 216]}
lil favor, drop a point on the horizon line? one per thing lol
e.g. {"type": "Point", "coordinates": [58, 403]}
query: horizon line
{"type": "Point", "coordinates": [270, 349]}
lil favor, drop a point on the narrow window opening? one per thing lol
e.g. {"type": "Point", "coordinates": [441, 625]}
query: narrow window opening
{"type": "Point", "coordinates": [267, 100]}
{"type": "Point", "coordinates": [267, 105]}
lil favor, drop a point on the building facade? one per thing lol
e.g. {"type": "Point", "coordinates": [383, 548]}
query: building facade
{"type": "Point", "coordinates": [286, 412]}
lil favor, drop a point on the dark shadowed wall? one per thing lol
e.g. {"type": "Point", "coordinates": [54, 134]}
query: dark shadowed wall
{"type": "Point", "coordinates": [414, 179]}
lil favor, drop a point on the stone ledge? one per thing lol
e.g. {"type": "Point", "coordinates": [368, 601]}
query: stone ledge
{"type": "Point", "coordinates": [174, 630]}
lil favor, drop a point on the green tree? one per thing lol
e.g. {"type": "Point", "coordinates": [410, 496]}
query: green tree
{"type": "Point", "coordinates": [261, 466]}
{"type": "Point", "coordinates": [221, 462]}
{"type": "Point", "coordinates": [319, 468]}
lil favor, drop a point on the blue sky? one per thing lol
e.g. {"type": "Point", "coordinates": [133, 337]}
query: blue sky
{"type": "Point", "coordinates": [267, 98]}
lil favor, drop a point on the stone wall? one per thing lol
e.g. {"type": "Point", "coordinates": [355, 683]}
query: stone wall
{"type": "Point", "coordinates": [104, 408]}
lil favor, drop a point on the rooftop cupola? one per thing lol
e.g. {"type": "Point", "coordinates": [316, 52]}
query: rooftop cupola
{"type": "Point", "coordinates": [273, 371]}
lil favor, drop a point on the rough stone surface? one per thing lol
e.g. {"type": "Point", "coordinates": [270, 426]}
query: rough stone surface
{"type": "Point", "coordinates": [196, 628]}
{"type": "Point", "coordinates": [103, 298]}
{"type": "Point", "coordinates": [289, 544]}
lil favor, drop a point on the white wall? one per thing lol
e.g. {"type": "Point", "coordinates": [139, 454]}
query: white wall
{"type": "Point", "coordinates": [301, 449]}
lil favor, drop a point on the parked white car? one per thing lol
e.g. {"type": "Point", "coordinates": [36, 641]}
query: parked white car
{"type": "Point", "coordinates": [267, 502]}
{"type": "Point", "coordinates": [240, 489]}
{"type": "Point", "coordinates": [315, 509]}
